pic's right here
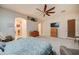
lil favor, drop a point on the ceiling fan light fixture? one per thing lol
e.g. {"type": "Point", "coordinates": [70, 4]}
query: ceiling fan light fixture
{"type": "Point", "coordinates": [47, 12]}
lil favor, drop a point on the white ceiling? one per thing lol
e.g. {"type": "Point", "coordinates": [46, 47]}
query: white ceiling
{"type": "Point", "coordinates": [30, 9]}
{"type": "Point", "coordinates": [26, 9]}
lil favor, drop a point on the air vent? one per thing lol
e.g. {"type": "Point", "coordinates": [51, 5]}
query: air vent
{"type": "Point", "coordinates": [31, 18]}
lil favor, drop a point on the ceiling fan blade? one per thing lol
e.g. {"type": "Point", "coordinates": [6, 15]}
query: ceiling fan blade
{"type": "Point", "coordinates": [39, 10]}
{"type": "Point", "coordinates": [50, 9]}
{"type": "Point", "coordinates": [44, 15]}
{"type": "Point", "coordinates": [47, 14]}
{"type": "Point", "coordinates": [45, 7]}
{"type": "Point", "coordinates": [50, 12]}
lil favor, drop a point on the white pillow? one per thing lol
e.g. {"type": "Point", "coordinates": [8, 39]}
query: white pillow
{"type": "Point", "coordinates": [2, 36]}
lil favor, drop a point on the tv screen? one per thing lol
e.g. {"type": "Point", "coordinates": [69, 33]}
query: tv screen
{"type": "Point", "coordinates": [54, 25]}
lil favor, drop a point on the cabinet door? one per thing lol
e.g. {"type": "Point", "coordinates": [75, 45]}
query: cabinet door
{"type": "Point", "coordinates": [54, 32]}
{"type": "Point", "coordinates": [71, 28]}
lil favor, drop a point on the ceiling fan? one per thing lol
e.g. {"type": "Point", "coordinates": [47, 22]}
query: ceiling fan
{"type": "Point", "coordinates": [45, 11]}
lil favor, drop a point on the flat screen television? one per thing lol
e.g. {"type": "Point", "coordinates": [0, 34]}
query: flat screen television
{"type": "Point", "coordinates": [54, 25]}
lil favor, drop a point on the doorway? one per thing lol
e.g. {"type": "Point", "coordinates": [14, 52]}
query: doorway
{"type": "Point", "coordinates": [20, 28]}
{"type": "Point", "coordinates": [40, 29]}
{"type": "Point", "coordinates": [71, 28]}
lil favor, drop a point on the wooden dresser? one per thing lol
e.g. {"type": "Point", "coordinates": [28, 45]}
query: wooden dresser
{"type": "Point", "coordinates": [34, 34]}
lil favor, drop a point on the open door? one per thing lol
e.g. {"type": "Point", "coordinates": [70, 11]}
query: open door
{"type": "Point", "coordinates": [71, 28]}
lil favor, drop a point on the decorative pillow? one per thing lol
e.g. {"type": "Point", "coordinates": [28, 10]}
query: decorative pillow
{"type": "Point", "coordinates": [8, 38]}
{"type": "Point", "coordinates": [2, 36]}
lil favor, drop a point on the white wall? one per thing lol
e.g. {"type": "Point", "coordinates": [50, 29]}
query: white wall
{"type": "Point", "coordinates": [62, 18]}
{"type": "Point", "coordinates": [7, 22]}
{"type": "Point", "coordinates": [31, 26]}
{"type": "Point", "coordinates": [77, 27]}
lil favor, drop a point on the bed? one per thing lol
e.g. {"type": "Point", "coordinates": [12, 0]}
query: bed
{"type": "Point", "coordinates": [27, 46]}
